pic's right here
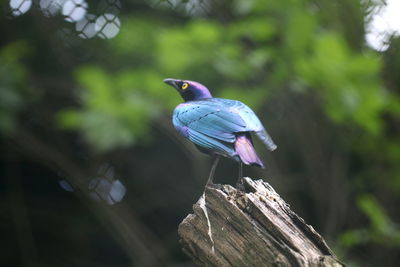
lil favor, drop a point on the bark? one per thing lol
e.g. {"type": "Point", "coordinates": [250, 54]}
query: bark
{"type": "Point", "coordinates": [254, 227]}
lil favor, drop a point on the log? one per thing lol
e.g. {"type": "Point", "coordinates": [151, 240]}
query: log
{"type": "Point", "coordinates": [254, 227]}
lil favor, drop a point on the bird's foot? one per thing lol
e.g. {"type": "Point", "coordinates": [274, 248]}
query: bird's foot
{"type": "Point", "coordinates": [240, 185]}
{"type": "Point", "coordinates": [210, 184]}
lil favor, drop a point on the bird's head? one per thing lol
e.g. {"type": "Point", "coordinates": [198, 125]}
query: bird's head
{"type": "Point", "coordinates": [189, 90]}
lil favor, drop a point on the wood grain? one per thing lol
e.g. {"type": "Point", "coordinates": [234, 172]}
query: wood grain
{"type": "Point", "coordinates": [229, 227]}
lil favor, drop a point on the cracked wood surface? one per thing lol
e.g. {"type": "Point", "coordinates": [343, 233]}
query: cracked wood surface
{"type": "Point", "coordinates": [252, 228]}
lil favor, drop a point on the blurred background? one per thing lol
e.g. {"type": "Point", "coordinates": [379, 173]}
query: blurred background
{"type": "Point", "coordinates": [92, 172]}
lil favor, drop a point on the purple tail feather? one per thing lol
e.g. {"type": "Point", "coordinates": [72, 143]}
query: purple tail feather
{"type": "Point", "coordinates": [246, 152]}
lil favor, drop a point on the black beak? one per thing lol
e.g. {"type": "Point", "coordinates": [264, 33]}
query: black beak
{"type": "Point", "coordinates": [171, 82]}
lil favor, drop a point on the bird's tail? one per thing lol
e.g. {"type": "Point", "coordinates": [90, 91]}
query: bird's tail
{"type": "Point", "coordinates": [266, 139]}
{"type": "Point", "coordinates": [246, 152]}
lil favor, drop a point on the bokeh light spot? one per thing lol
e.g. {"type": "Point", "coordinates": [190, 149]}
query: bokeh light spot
{"type": "Point", "coordinates": [107, 26]}
{"type": "Point", "coordinates": [74, 10]}
{"type": "Point", "coordinates": [19, 7]}
{"type": "Point", "coordinates": [86, 27]}
{"type": "Point", "coordinates": [384, 22]}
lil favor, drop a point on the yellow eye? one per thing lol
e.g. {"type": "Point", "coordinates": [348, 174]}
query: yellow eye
{"type": "Point", "coordinates": [184, 86]}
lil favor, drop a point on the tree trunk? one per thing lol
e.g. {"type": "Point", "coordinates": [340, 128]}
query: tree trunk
{"type": "Point", "coordinates": [252, 228]}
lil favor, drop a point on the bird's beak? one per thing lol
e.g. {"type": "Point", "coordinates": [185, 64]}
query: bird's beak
{"type": "Point", "coordinates": [171, 82]}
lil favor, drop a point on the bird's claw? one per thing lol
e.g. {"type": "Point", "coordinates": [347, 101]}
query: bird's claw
{"type": "Point", "coordinates": [210, 184]}
{"type": "Point", "coordinates": [240, 185]}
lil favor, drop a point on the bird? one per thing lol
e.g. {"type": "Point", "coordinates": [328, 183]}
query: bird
{"type": "Point", "coordinates": [218, 126]}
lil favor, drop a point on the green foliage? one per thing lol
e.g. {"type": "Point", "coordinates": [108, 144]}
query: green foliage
{"type": "Point", "coordinates": [185, 50]}
{"type": "Point", "coordinates": [381, 230]}
{"type": "Point", "coordinates": [114, 111]}
{"type": "Point", "coordinates": [349, 82]}
{"type": "Point", "coordinates": [13, 88]}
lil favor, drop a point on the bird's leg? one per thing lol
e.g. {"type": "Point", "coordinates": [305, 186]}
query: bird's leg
{"type": "Point", "coordinates": [239, 183]}
{"type": "Point", "coordinates": [213, 167]}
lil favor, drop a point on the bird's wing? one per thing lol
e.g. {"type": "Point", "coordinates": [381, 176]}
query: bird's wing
{"type": "Point", "coordinates": [204, 141]}
{"type": "Point", "coordinates": [219, 119]}
{"type": "Point", "coordinates": [253, 123]}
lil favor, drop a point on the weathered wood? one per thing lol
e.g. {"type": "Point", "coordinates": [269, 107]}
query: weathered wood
{"type": "Point", "coordinates": [251, 228]}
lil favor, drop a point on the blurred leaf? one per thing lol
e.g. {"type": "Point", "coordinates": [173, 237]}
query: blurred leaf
{"type": "Point", "coordinates": [114, 112]}
{"type": "Point", "coordinates": [14, 91]}
{"type": "Point", "coordinates": [354, 237]}
{"type": "Point", "coordinates": [251, 28]}
{"type": "Point", "coordinates": [375, 213]}
{"type": "Point", "coordinates": [183, 49]}
{"type": "Point", "coordinates": [300, 32]}
{"type": "Point", "coordinates": [349, 82]}
{"type": "Point", "coordinates": [253, 97]}
{"type": "Point", "coordinates": [383, 229]}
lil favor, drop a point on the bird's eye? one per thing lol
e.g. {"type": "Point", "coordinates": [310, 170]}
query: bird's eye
{"type": "Point", "coordinates": [184, 86]}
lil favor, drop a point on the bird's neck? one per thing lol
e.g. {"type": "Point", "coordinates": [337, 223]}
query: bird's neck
{"type": "Point", "coordinates": [192, 95]}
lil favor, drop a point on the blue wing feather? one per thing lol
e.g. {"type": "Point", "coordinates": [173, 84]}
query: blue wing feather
{"type": "Point", "coordinates": [211, 143]}
{"type": "Point", "coordinates": [210, 121]}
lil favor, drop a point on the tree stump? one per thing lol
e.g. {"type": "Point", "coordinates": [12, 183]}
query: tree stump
{"type": "Point", "coordinates": [252, 228]}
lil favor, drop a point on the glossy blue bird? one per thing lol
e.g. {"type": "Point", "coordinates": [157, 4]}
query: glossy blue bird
{"type": "Point", "coordinates": [217, 126]}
